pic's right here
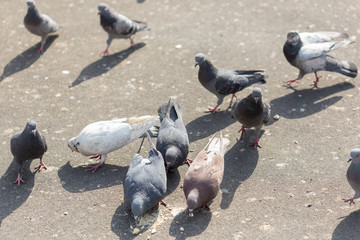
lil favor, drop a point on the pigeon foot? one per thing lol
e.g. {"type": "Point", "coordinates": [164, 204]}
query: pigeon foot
{"type": "Point", "coordinates": [19, 180]}
{"type": "Point", "coordinates": [41, 166]}
{"type": "Point", "coordinates": [105, 52]}
{"type": "Point", "coordinates": [188, 161]}
{"type": "Point", "coordinates": [242, 130]}
{"type": "Point", "coordinates": [41, 50]}
{"type": "Point", "coordinates": [350, 200]}
{"type": "Point", "coordinates": [256, 144]}
{"type": "Point", "coordinates": [291, 81]}
{"type": "Point", "coordinates": [316, 80]}
{"type": "Point", "coordinates": [213, 110]}
{"type": "Point", "coordinates": [93, 168]}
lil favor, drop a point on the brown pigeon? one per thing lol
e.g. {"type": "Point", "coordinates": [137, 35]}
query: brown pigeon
{"type": "Point", "coordinates": [203, 178]}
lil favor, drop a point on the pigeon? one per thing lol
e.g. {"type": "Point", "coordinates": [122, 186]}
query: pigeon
{"type": "Point", "coordinates": [39, 24]}
{"type": "Point", "coordinates": [252, 112]}
{"type": "Point", "coordinates": [173, 140]}
{"type": "Point", "coordinates": [145, 181]}
{"type": "Point", "coordinates": [28, 145]}
{"type": "Point", "coordinates": [118, 26]}
{"type": "Point", "coordinates": [224, 82]}
{"type": "Point", "coordinates": [100, 138]}
{"type": "Point", "coordinates": [203, 178]}
{"type": "Point", "coordinates": [353, 174]}
{"type": "Point", "coordinates": [308, 52]}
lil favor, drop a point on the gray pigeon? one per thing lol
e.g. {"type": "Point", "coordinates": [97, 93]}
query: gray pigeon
{"type": "Point", "coordinates": [252, 112]}
{"type": "Point", "coordinates": [224, 82]}
{"type": "Point", "coordinates": [204, 176]}
{"type": "Point", "coordinates": [103, 137]}
{"type": "Point", "coordinates": [308, 52]}
{"type": "Point", "coordinates": [173, 140]}
{"type": "Point", "coordinates": [118, 26]}
{"type": "Point", "coordinates": [353, 174]}
{"type": "Point", "coordinates": [145, 181]}
{"type": "Point", "coordinates": [39, 24]}
{"type": "Point", "coordinates": [28, 145]}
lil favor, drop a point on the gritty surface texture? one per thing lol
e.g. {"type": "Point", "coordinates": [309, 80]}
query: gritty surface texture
{"type": "Point", "coordinates": [291, 188]}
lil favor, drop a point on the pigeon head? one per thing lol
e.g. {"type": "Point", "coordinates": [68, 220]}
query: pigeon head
{"type": "Point", "coordinates": [103, 8]}
{"type": "Point", "coordinates": [30, 128]}
{"type": "Point", "coordinates": [199, 58]}
{"type": "Point", "coordinates": [30, 3]}
{"type": "Point", "coordinates": [293, 38]}
{"type": "Point", "coordinates": [73, 144]}
{"type": "Point", "coordinates": [355, 155]}
{"type": "Point", "coordinates": [172, 155]}
{"type": "Point", "coordinates": [256, 94]}
{"type": "Point", "coordinates": [138, 206]}
{"type": "Point", "coordinates": [192, 200]}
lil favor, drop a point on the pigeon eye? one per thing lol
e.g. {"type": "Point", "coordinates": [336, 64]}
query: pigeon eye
{"type": "Point", "coordinates": [357, 155]}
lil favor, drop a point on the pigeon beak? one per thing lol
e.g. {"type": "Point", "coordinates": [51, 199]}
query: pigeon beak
{"type": "Point", "coordinates": [350, 159]}
{"type": "Point", "coordinates": [256, 99]}
{"type": "Point", "coordinates": [33, 132]}
{"type": "Point", "coordinates": [196, 64]}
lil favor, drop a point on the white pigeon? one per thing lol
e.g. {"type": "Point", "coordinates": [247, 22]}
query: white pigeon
{"type": "Point", "coordinates": [307, 51]}
{"type": "Point", "coordinates": [100, 138]}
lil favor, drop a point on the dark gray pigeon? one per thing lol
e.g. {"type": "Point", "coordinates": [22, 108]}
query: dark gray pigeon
{"type": "Point", "coordinates": [118, 26]}
{"type": "Point", "coordinates": [252, 112]}
{"type": "Point", "coordinates": [173, 140]}
{"type": "Point", "coordinates": [39, 24]}
{"type": "Point", "coordinates": [204, 176]}
{"type": "Point", "coordinates": [224, 82]}
{"type": "Point", "coordinates": [308, 52]}
{"type": "Point", "coordinates": [353, 174]}
{"type": "Point", "coordinates": [28, 145]}
{"type": "Point", "coordinates": [145, 182]}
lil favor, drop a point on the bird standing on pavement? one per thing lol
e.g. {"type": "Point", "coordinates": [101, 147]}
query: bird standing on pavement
{"type": "Point", "coordinates": [252, 112]}
{"type": "Point", "coordinates": [145, 181]}
{"type": "Point", "coordinates": [223, 82]}
{"type": "Point", "coordinates": [28, 145]}
{"type": "Point", "coordinates": [353, 174]}
{"type": "Point", "coordinates": [204, 176]}
{"type": "Point", "coordinates": [100, 138]}
{"type": "Point", "coordinates": [172, 140]}
{"type": "Point", "coordinates": [118, 26]}
{"type": "Point", "coordinates": [39, 23]}
{"type": "Point", "coordinates": [308, 52]}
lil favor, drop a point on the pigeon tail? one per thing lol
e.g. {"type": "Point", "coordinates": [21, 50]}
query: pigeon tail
{"type": "Point", "coordinates": [140, 26]}
{"type": "Point", "coordinates": [257, 77]}
{"type": "Point", "coordinates": [344, 67]}
{"type": "Point", "coordinates": [140, 125]}
{"type": "Point", "coordinates": [219, 145]}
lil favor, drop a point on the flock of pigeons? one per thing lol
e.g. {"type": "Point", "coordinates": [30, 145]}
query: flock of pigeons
{"type": "Point", "coordinates": [146, 180]}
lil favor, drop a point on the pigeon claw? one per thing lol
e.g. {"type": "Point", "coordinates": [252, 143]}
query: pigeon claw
{"type": "Point", "coordinates": [19, 180]}
{"type": "Point", "coordinates": [256, 144]}
{"type": "Point", "coordinates": [105, 52]}
{"type": "Point", "coordinates": [291, 81]}
{"type": "Point", "coordinates": [242, 130]}
{"type": "Point", "coordinates": [188, 161]}
{"type": "Point", "coordinates": [41, 166]}
{"type": "Point", "coordinates": [316, 80]}
{"type": "Point", "coordinates": [350, 200]}
{"type": "Point", "coordinates": [41, 50]}
{"type": "Point", "coordinates": [213, 110]}
{"type": "Point", "coordinates": [93, 168]}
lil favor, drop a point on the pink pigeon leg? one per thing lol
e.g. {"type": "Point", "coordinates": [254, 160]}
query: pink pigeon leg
{"type": "Point", "coordinates": [242, 130]}
{"type": "Point", "coordinates": [256, 144]}
{"type": "Point", "coordinates": [19, 180]}
{"type": "Point", "coordinates": [350, 200]}
{"type": "Point", "coordinates": [291, 81]}
{"type": "Point", "coordinates": [188, 161]}
{"type": "Point", "coordinates": [97, 156]}
{"type": "Point", "coordinates": [94, 168]}
{"type": "Point", "coordinates": [131, 42]}
{"type": "Point", "coordinates": [105, 52]}
{"type": "Point", "coordinates": [41, 49]}
{"type": "Point", "coordinates": [316, 80]}
{"type": "Point", "coordinates": [41, 165]}
{"type": "Point", "coordinates": [163, 203]}
{"type": "Point", "coordinates": [213, 110]}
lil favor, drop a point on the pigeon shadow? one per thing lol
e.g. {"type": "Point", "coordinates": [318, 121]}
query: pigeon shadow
{"type": "Point", "coordinates": [11, 195]}
{"type": "Point", "coordinates": [75, 179]}
{"type": "Point", "coordinates": [26, 58]}
{"type": "Point", "coordinates": [348, 228]}
{"type": "Point", "coordinates": [208, 125]}
{"type": "Point", "coordinates": [192, 226]}
{"type": "Point", "coordinates": [104, 64]}
{"type": "Point", "coordinates": [240, 163]}
{"type": "Point", "coordinates": [303, 103]}
{"type": "Point", "coordinates": [123, 222]}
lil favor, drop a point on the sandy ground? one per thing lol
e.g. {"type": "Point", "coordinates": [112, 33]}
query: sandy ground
{"type": "Point", "coordinates": [291, 188]}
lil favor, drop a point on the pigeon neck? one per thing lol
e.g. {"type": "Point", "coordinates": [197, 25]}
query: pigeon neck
{"type": "Point", "coordinates": [207, 71]}
{"type": "Point", "coordinates": [33, 16]}
{"type": "Point", "coordinates": [291, 50]}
